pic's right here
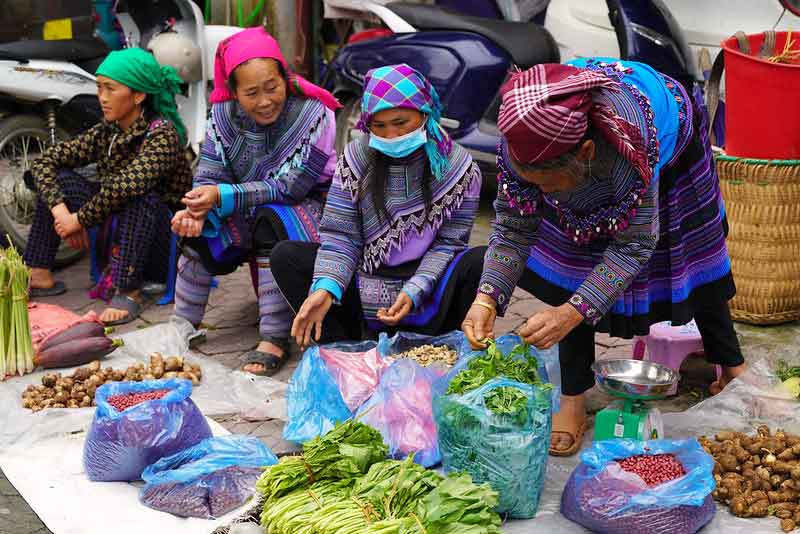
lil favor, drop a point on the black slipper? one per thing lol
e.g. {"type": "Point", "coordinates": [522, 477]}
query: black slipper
{"type": "Point", "coordinates": [272, 362]}
{"type": "Point", "coordinates": [59, 288]}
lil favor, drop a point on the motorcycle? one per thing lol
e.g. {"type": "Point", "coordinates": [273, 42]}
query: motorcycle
{"type": "Point", "coordinates": [48, 90]}
{"type": "Point", "coordinates": [467, 59]}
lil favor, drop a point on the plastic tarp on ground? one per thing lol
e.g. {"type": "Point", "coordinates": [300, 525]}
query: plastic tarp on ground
{"type": "Point", "coordinates": [221, 391]}
{"type": "Point", "coordinates": [41, 453]}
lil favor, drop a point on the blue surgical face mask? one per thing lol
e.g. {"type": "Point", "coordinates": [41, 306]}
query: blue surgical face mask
{"type": "Point", "coordinates": [399, 147]}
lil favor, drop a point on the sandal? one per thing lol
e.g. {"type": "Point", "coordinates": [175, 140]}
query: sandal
{"type": "Point", "coordinates": [577, 438]}
{"type": "Point", "coordinates": [59, 288]}
{"type": "Point", "coordinates": [272, 362]}
{"type": "Point", "coordinates": [126, 303]}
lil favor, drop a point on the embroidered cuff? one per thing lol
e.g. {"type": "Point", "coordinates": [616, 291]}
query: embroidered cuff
{"type": "Point", "coordinates": [328, 285]}
{"type": "Point", "coordinates": [591, 314]}
{"type": "Point", "coordinates": [497, 295]}
{"type": "Point", "coordinates": [226, 200]}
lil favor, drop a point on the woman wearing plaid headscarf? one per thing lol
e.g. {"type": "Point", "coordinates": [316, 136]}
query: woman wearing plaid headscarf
{"type": "Point", "coordinates": [396, 225]}
{"type": "Point", "coordinates": [609, 210]}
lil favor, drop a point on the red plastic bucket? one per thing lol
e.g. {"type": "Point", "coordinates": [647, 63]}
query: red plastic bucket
{"type": "Point", "coordinates": [762, 101]}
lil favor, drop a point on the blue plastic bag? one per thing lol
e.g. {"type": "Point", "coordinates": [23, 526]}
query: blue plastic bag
{"type": "Point", "coordinates": [120, 445]}
{"type": "Point", "coordinates": [208, 480]}
{"type": "Point", "coordinates": [549, 366]}
{"type": "Point", "coordinates": [313, 400]}
{"type": "Point", "coordinates": [602, 497]}
{"type": "Point", "coordinates": [508, 451]}
{"type": "Point", "coordinates": [401, 410]}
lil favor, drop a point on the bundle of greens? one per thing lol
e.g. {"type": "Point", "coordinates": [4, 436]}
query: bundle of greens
{"type": "Point", "coordinates": [16, 345]}
{"type": "Point", "coordinates": [347, 451]}
{"type": "Point", "coordinates": [519, 365]}
{"type": "Point", "coordinates": [392, 497]}
{"type": "Point", "coordinates": [789, 377]}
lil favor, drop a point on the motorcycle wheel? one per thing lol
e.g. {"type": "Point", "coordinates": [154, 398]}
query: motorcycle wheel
{"type": "Point", "coordinates": [346, 120]}
{"type": "Point", "coordinates": [23, 138]}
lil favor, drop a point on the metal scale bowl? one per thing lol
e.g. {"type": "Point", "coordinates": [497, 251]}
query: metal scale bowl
{"type": "Point", "coordinates": [633, 382]}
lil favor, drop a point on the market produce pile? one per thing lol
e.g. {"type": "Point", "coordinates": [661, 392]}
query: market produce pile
{"type": "Point", "coordinates": [758, 475]}
{"type": "Point", "coordinates": [342, 484]}
{"type": "Point", "coordinates": [16, 346]}
{"type": "Point", "coordinates": [129, 400]}
{"type": "Point", "coordinates": [78, 389]}
{"type": "Point", "coordinates": [494, 424]}
{"type": "Point", "coordinates": [426, 355]}
{"type": "Point", "coordinates": [654, 470]}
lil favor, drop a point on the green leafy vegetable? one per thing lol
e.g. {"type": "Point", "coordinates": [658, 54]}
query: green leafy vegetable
{"type": "Point", "coordinates": [520, 365]}
{"type": "Point", "coordinates": [347, 451]}
{"type": "Point", "coordinates": [16, 345]}
{"type": "Point", "coordinates": [785, 372]}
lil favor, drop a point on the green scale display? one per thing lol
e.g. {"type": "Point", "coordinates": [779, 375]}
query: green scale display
{"type": "Point", "coordinates": [634, 383]}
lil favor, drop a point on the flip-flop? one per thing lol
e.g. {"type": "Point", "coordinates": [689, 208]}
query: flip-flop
{"type": "Point", "coordinates": [59, 288]}
{"type": "Point", "coordinates": [272, 362]}
{"type": "Point", "coordinates": [577, 439]}
{"type": "Point", "coordinates": [123, 302]}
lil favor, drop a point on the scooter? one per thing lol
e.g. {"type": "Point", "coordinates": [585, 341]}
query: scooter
{"type": "Point", "coordinates": [48, 90]}
{"type": "Point", "coordinates": [467, 59]}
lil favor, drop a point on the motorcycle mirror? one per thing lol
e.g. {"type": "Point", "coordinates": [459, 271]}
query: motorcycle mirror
{"type": "Point", "coordinates": [792, 5]}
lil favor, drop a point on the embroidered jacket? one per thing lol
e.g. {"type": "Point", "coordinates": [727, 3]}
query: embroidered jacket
{"type": "Point", "coordinates": [354, 238]}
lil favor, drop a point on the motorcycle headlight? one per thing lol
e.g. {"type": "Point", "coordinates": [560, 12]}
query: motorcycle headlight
{"type": "Point", "coordinates": [179, 52]}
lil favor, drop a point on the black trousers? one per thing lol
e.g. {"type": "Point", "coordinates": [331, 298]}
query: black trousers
{"type": "Point", "coordinates": [713, 318]}
{"type": "Point", "coordinates": [293, 268]}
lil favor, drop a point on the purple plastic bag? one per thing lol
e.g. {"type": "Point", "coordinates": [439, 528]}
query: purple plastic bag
{"type": "Point", "coordinates": [402, 411]}
{"type": "Point", "coordinates": [603, 498]}
{"type": "Point", "coordinates": [120, 445]}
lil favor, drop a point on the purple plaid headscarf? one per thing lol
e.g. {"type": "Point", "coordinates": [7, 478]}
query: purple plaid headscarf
{"type": "Point", "coordinates": [400, 86]}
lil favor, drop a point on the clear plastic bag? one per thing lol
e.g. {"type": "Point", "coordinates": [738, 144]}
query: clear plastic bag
{"type": "Point", "coordinates": [208, 480]}
{"type": "Point", "coordinates": [508, 451]}
{"type": "Point", "coordinates": [120, 445]}
{"type": "Point", "coordinates": [403, 341]}
{"type": "Point", "coordinates": [401, 410]}
{"type": "Point", "coordinates": [602, 497]}
{"type": "Point", "coordinates": [313, 400]}
{"type": "Point", "coordinates": [357, 370]}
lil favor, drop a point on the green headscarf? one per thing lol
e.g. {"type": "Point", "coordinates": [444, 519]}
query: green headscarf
{"type": "Point", "coordinates": [139, 70]}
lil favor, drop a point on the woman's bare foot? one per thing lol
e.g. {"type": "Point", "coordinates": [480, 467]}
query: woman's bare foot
{"type": "Point", "coordinates": [111, 315]}
{"type": "Point", "coordinates": [42, 278]}
{"type": "Point", "coordinates": [568, 423]}
{"type": "Point", "coordinates": [728, 374]}
{"type": "Point", "coordinates": [269, 348]}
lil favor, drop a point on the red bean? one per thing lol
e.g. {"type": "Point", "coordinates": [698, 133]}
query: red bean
{"type": "Point", "coordinates": [654, 470]}
{"type": "Point", "coordinates": [128, 400]}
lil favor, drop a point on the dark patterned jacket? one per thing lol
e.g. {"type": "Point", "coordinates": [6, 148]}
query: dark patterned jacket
{"type": "Point", "coordinates": [146, 157]}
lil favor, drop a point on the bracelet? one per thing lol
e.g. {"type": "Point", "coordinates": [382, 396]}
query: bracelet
{"type": "Point", "coordinates": [487, 306]}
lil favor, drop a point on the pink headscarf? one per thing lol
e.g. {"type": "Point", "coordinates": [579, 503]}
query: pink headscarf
{"type": "Point", "coordinates": [257, 43]}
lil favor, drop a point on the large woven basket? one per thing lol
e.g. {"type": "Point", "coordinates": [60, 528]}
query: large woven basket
{"type": "Point", "coordinates": [762, 202]}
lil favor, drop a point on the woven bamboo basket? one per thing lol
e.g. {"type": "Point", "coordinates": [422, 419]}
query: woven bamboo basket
{"type": "Point", "coordinates": [762, 202]}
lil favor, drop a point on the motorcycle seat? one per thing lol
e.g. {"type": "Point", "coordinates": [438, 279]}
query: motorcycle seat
{"type": "Point", "coordinates": [73, 50]}
{"type": "Point", "coordinates": [527, 43]}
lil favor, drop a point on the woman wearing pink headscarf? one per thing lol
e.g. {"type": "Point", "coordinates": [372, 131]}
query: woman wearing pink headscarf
{"type": "Point", "coordinates": [264, 170]}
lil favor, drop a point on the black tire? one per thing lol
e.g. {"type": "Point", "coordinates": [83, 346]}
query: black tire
{"type": "Point", "coordinates": [346, 119]}
{"type": "Point", "coordinates": [22, 138]}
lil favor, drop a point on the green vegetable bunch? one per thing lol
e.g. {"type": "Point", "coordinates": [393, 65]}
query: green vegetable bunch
{"type": "Point", "coordinates": [785, 372]}
{"type": "Point", "coordinates": [347, 451]}
{"type": "Point", "coordinates": [293, 513]}
{"type": "Point", "coordinates": [16, 345]}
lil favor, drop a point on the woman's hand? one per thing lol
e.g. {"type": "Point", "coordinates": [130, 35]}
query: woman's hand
{"type": "Point", "coordinates": [548, 327]}
{"type": "Point", "coordinates": [185, 224]}
{"type": "Point", "coordinates": [478, 325]}
{"type": "Point", "coordinates": [66, 225]}
{"type": "Point", "coordinates": [201, 200]}
{"type": "Point", "coordinates": [310, 316]}
{"type": "Point", "coordinates": [402, 306]}
{"type": "Point", "coordinates": [78, 240]}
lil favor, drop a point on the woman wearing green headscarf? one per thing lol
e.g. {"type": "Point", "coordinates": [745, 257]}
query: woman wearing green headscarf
{"type": "Point", "coordinates": [143, 174]}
